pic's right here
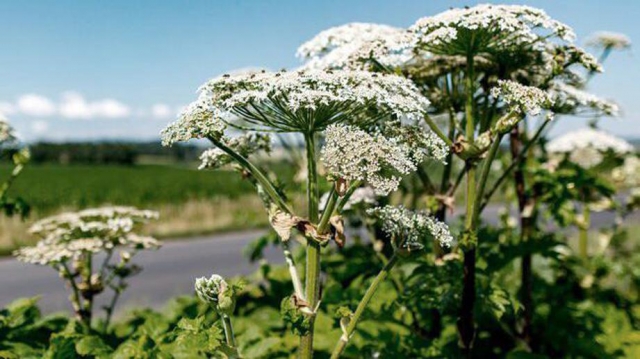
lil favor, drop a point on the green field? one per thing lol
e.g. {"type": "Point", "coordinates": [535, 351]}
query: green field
{"type": "Point", "coordinates": [49, 187]}
{"type": "Point", "coordinates": [190, 202]}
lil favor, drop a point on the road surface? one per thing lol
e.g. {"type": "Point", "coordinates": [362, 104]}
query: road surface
{"type": "Point", "coordinates": [169, 271]}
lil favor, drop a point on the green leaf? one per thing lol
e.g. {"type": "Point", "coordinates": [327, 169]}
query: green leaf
{"type": "Point", "coordinates": [92, 345]}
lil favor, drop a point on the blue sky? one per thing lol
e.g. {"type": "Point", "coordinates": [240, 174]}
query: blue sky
{"type": "Point", "coordinates": [121, 69]}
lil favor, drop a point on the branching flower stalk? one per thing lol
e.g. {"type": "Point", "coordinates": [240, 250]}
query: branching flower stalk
{"type": "Point", "coordinates": [70, 242]}
{"type": "Point", "coordinates": [408, 230]}
{"type": "Point", "coordinates": [351, 109]}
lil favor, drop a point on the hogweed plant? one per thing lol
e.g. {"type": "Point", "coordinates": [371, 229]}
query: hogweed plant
{"type": "Point", "coordinates": [92, 251]}
{"type": "Point", "coordinates": [489, 71]}
{"type": "Point", "coordinates": [221, 297]}
{"type": "Point", "coordinates": [368, 124]}
{"type": "Point", "coordinates": [590, 150]}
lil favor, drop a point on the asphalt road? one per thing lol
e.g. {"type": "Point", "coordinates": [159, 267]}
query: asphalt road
{"type": "Point", "coordinates": [169, 271]}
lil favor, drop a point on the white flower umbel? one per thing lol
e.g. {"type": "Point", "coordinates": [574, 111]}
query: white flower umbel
{"type": "Point", "coordinates": [523, 99]}
{"type": "Point", "coordinates": [354, 154]}
{"type": "Point", "coordinates": [349, 46]}
{"type": "Point", "coordinates": [579, 101]}
{"type": "Point", "coordinates": [199, 120]}
{"type": "Point", "coordinates": [610, 40]}
{"type": "Point", "coordinates": [411, 228]}
{"type": "Point", "coordinates": [70, 235]}
{"type": "Point", "coordinates": [245, 145]}
{"type": "Point", "coordinates": [586, 146]}
{"type": "Point", "coordinates": [486, 28]}
{"type": "Point", "coordinates": [298, 101]}
{"type": "Point", "coordinates": [80, 247]}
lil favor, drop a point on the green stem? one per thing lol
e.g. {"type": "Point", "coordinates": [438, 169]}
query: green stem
{"type": "Point", "coordinates": [342, 343]}
{"type": "Point", "coordinates": [484, 175]}
{"type": "Point", "coordinates": [329, 208]}
{"type": "Point", "coordinates": [88, 297]}
{"type": "Point", "coordinates": [257, 174]}
{"type": "Point", "coordinates": [465, 320]}
{"type": "Point", "coordinates": [434, 127]}
{"type": "Point", "coordinates": [514, 163]}
{"type": "Point", "coordinates": [117, 291]}
{"type": "Point", "coordinates": [75, 292]}
{"type": "Point", "coordinates": [293, 272]}
{"type": "Point", "coordinates": [228, 331]}
{"type": "Point", "coordinates": [313, 248]}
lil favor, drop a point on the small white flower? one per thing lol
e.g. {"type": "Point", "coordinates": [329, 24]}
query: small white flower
{"type": "Point", "coordinates": [586, 146]}
{"type": "Point", "coordinates": [348, 46]}
{"type": "Point", "coordinates": [494, 27]}
{"type": "Point", "coordinates": [524, 99]}
{"type": "Point", "coordinates": [579, 100]}
{"type": "Point", "coordinates": [412, 227]}
{"type": "Point", "coordinates": [607, 39]}
{"type": "Point", "coordinates": [354, 154]}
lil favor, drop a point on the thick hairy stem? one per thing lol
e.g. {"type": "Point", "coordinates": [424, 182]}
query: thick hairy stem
{"type": "Point", "coordinates": [584, 231]}
{"type": "Point", "coordinates": [466, 325]}
{"type": "Point", "coordinates": [526, 230]}
{"type": "Point", "coordinates": [313, 249]}
{"type": "Point", "coordinates": [348, 331]}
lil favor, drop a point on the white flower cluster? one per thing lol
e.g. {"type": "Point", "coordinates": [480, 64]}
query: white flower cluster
{"type": "Point", "coordinates": [199, 120]}
{"type": "Point", "coordinates": [569, 96]}
{"type": "Point", "coordinates": [348, 46]}
{"type": "Point", "coordinates": [524, 99]}
{"type": "Point", "coordinates": [361, 196]}
{"type": "Point", "coordinates": [411, 227]}
{"type": "Point", "coordinates": [354, 154]}
{"type": "Point", "coordinates": [611, 40]}
{"type": "Point", "coordinates": [295, 101]}
{"type": "Point", "coordinates": [493, 26]}
{"type": "Point", "coordinates": [244, 145]}
{"type": "Point", "coordinates": [586, 146]}
{"type": "Point", "coordinates": [69, 235]}
{"type": "Point", "coordinates": [208, 289]}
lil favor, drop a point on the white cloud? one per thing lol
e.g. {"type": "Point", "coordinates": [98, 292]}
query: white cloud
{"type": "Point", "coordinates": [161, 111]}
{"type": "Point", "coordinates": [7, 109]}
{"type": "Point", "coordinates": [36, 105]}
{"type": "Point", "coordinates": [39, 127]}
{"type": "Point", "coordinates": [75, 106]}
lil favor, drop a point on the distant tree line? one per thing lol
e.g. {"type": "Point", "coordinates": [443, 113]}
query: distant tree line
{"type": "Point", "coordinates": [123, 153]}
